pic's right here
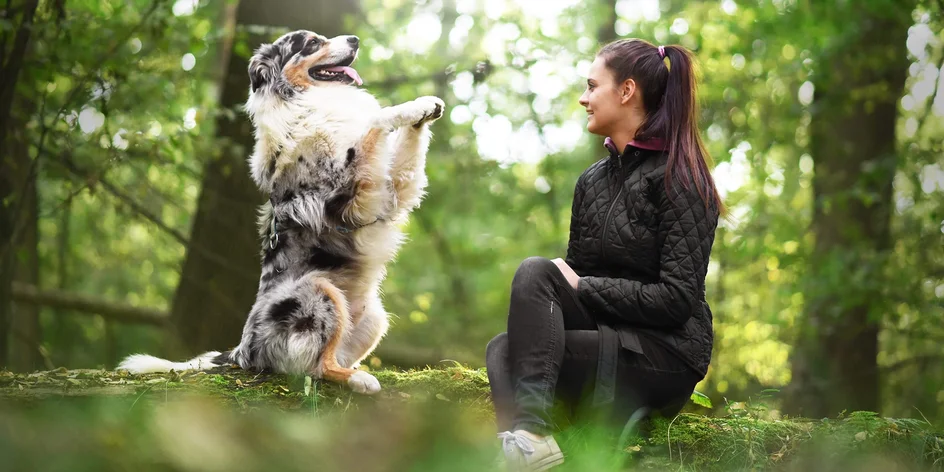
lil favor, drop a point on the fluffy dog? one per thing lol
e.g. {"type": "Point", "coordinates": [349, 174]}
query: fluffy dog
{"type": "Point", "coordinates": [342, 174]}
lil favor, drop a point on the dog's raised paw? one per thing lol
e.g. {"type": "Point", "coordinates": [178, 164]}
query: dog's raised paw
{"type": "Point", "coordinates": [362, 382]}
{"type": "Point", "coordinates": [434, 109]}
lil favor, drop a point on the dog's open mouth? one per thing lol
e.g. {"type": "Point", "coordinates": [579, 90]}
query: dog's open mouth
{"type": "Point", "coordinates": [340, 72]}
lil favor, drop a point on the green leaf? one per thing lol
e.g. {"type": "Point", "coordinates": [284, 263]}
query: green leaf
{"type": "Point", "coordinates": [701, 399]}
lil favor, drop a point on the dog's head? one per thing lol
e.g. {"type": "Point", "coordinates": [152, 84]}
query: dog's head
{"type": "Point", "coordinates": [303, 59]}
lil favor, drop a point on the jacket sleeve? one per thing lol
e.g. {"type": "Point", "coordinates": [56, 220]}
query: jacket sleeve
{"type": "Point", "coordinates": [571, 257]}
{"type": "Point", "coordinates": [688, 232]}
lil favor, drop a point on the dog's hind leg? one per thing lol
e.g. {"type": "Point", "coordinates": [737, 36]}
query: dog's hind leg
{"type": "Point", "coordinates": [358, 380]}
{"type": "Point", "coordinates": [369, 328]}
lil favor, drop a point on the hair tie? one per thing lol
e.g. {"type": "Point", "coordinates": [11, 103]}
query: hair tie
{"type": "Point", "coordinates": [662, 52]}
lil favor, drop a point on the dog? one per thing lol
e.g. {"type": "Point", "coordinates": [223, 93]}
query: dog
{"type": "Point", "coordinates": [342, 174]}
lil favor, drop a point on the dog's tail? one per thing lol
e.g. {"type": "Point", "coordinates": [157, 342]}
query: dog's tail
{"type": "Point", "coordinates": [146, 364]}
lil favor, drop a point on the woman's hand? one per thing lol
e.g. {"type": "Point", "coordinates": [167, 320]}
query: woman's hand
{"type": "Point", "coordinates": [569, 274]}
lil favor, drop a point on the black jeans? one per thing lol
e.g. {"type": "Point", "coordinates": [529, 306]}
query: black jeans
{"type": "Point", "coordinates": [544, 368]}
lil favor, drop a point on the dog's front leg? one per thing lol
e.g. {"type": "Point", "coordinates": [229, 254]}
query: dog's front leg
{"type": "Point", "coordinates": [408, 169]}
{"type": "Point", "coordinates": [414, 113]}
{"type": "Point", "coordinates": [366, 157]}
{"type": "Point", "coordinates": [365, 200]}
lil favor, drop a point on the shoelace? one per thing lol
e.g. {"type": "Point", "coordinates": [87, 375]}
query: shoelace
{"type": "Point", "coordinates": [511, 440]}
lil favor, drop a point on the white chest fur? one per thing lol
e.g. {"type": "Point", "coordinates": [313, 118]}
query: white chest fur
{"type": "Point", "coordinates": [342, 114]}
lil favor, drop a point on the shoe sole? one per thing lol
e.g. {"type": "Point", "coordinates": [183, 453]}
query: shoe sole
{"type": "Point", "coordinates": [548, 462]}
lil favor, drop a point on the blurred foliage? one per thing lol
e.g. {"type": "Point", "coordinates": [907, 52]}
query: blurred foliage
{"type": "Point", "coordinates": [123, 96]}
{"type": "Point", "coordinates": [424, 420]}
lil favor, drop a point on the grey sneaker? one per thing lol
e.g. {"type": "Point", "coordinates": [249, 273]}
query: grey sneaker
{"type": "Point", "coordinates": [525, 451]}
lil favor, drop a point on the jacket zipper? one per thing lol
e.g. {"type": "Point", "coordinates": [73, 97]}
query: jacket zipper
{"type": "Point", "coordinates": [606, 219]}
{"type": "Point", "coordinates": [622, 182]}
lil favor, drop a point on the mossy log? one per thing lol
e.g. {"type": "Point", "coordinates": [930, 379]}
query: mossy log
{"type": "Point", "coordinates": [423, 420]}
{"type": "Point", "coordinates": [245, 389]}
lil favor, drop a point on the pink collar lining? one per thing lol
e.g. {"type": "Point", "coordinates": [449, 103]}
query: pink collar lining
{"type": "Point", "coordinates": [654, 144]}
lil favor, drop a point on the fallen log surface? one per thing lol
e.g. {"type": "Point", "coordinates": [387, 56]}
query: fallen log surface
{"type": "Point", "coordinates": [423, 420]}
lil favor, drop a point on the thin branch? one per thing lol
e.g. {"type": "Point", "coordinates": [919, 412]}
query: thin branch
{"type": "Point", "coordinates": [133, 156]}
{"type": "Point", "coordinates": [59, 6]}
{"type": "Point", "coordinates": [34, 166]}
{"type": "Point", "coordinates": [395, 81]}
{"type": "Point", "coordinates": [151, 189]}
{"type": "Point", "coordinates": [127, 200]}
{"type": "Point", "coordinates": [480, 69]}
{"type": "Point", "coordinates": [920, 359]}
{"type": "Point", "coordinates": [80, 303]}
{"type": "Point", "coordinates": [140, 210]}
{"type": "Point", "coordinates": [391, 354]}
{"type": "Point", "coordinates": [404, 355]}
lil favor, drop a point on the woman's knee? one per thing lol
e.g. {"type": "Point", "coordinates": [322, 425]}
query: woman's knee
{"type": "Point", "coordinates": [533, 269]}
{"type": "Point", "coordinates": [497, 346]}
{"type": "Point", "coordinates": [496, 355]}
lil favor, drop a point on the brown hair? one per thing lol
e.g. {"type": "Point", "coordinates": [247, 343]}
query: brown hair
{"type": "Point", "coordinates": [671, 109]}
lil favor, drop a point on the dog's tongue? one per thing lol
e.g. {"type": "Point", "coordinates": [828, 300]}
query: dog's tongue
{"type": "Point", "coordinates": [347, 70]}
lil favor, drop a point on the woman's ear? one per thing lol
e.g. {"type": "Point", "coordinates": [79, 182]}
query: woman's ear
{"type": "Point", "coordinates": [627, 90]}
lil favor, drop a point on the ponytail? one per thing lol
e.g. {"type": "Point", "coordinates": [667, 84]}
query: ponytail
{"type": "Point", "coordinates": [666, 77]}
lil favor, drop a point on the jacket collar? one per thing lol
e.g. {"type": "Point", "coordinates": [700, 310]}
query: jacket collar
{"type": "Point", "coordinates": [654, 144]}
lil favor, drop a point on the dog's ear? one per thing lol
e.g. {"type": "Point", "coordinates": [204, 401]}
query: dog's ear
{"type": "Point", "coordinates": [263, 67]}
{"type": "Point", "coordinates": [261, 72]}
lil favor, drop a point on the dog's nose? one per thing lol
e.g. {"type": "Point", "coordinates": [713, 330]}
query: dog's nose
{"type": "Point", "coordinates": [352, 40]}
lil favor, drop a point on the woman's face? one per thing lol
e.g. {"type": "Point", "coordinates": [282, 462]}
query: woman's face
{"type": "Point", "coordinates": [603, 99]}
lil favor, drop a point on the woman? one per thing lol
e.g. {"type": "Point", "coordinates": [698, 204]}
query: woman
{"type": "Point", "coordinates": [622, 322]}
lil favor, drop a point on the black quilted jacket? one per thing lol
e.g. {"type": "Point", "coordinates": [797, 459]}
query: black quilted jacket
{"type": "Point", "coordinates": [642, 257]}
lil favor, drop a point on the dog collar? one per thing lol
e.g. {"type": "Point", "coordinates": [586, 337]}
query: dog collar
{"type": "Point", "coordinates": [346, 230]}
{"type": "Point", "coordinates": [273, 236]}
{"type": "Point", "coordinates": [274, 230]}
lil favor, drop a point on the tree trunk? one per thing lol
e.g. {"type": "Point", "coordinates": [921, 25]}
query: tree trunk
{"type": "Point", "coordinates": [607, 30]}
{"type": "Point", "coordinates": [26, 334]}
{"type": "Point", "coordinates": [63, 323]}
{"type": "Point", "coordinates": [221, 273]}
{"type": "Point", "coordinates": [857, 88]}
{"type": "Point", "coordinates": [14, 51]}
{"type": "Point", "coordinates": [221, 262]}
{"type": "Point", "coordinates": [24, 319]}
{"type": "Point", "coordinates": [6, 254]}
{"type": "Point", "coordinates": [13, 54]}
{"type": "Point", "coordinates": [459, 295]}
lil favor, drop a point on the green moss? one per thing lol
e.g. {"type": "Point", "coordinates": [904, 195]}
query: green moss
{"type": "Point", "coordinates": [244, 389]}
{"type": "Point", "coordinates": [422, 416]}
{"type": "Point", "coordinates": [740, 442]}
{"type": "Point", "coordinates": [726, 443]}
